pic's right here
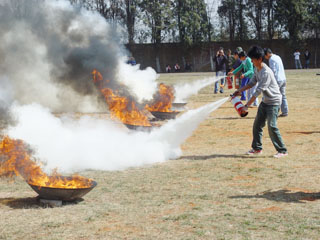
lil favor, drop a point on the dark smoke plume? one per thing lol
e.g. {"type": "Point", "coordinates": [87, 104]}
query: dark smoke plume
{"type": "Point", "coordinates": [48, 50]}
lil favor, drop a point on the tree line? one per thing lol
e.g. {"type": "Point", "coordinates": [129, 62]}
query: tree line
{"type": "Point", "coordinates": [191, 21]}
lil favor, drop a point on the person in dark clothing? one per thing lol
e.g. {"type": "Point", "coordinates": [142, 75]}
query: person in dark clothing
{"type": "Point", "coordinates": [231, 60]}
{"type": "Point", "coordinates": [307, 56]}
{"type": "Point", "coordinates": [177, 67]}
{"type": "Point", "coordinates": [168, 69]}
{"type": "Point", "coordinates": [188, 67]}
{"type": "Point", "coordinates": [221, 67]}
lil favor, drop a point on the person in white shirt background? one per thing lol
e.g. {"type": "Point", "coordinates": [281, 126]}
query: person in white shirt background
{"type": "Point", "coordinates": [297, 59]}
{"type": "Point", "coordinates": [275, 63]}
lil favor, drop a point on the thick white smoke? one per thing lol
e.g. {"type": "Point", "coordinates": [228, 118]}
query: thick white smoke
{"type": "Point", "coordinates": [74, 145]}
{"type": "Point", "coordinates": [142, 83]}
{"type": "Point", "coordinates": [184, 90]}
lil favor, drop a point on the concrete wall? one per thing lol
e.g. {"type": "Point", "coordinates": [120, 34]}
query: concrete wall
{"type": "Point", "coordinates": [199, 56]}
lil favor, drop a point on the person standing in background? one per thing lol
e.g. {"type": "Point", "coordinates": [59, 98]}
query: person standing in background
{"type": "Point", "coordinates": [221, 67]}
{"type": "Point", "coordinates": [276, 65]}
{"type": "Point", "coordinates": [132, 61]}
{"type": "Point", "coordinates": [177, 68]}
{"type": "Point", "coordinates": [231, 61]}
{"type": "Point", "coordinates": [237, 63]}
{"type": "Point", "coordinates": [297, 59]}
{"type": "Point", "coordinates": [307, 56]}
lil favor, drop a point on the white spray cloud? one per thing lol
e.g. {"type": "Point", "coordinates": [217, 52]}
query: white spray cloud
{"type": "Point", "coordinates": [88, 143]}
{"type": "Point", "coordinates": [184, 90]}
{"type": "Point", "coordinates": [141, 82]}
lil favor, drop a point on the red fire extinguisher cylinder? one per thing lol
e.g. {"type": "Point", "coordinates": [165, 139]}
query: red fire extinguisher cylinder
{"type": "Point", "coordinates": [240, 108]}
{"type": "Point", "coordinates": [229, 81]}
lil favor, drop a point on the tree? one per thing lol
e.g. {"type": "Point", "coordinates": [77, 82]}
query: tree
{"type": "Point", "coordinates": [242, 25]}
{"type": "Point", "coordinates": [270, 4]}
{"type": "Point", "coordinates": [234, 12]}
{"type": "Point", "coordinates": [313, 17]}
{"type": "Point", "coordinates": [131, 10]}
{"type": "Point", "coordinates": [313, 24]}
{"type": "Point", "coordinates": [157, 15]}
{"type": "Point", "coordinates": [194, 23]}
{"type": "Point", "coordinates": [228, 11]}
{"type": "Point", "coordinates": [292, 14]}
{"type": "Point", "coordinates": [257, 13]}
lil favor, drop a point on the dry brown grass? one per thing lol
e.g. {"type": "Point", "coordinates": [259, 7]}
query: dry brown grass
{"type": "Point", "coordinates": [213, 191]}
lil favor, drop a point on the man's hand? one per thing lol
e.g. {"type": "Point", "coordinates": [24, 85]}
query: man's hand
{"type": "Point", "coordinates": [230, 73]}
{"type": "Point", "coordinates": [242, 76]}
{"type": "Point", "coordinates": [236, 93]}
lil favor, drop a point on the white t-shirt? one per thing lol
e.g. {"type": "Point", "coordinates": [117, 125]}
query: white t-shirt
{"type": "Point", "coordinates": [296, 55]}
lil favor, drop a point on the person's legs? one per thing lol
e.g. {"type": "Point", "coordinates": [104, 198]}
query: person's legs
{"type": "Point", "coordinates": [300, 66]}
{"type": "Point", "coordinates": [307, 63]}
{"type": "Point", "coordinates": [216, 83]}
{"type": "Point", "coordinates": [296, 63]}
{"type": "Point", "coordinates": [244, 82]}
{"type": "Point", "coordinates": [257, 131]}
{"type": "Point", "coordinates": [274, 133]}
{"type": "Point", "coordinates": [284, 103]}
{"type": "Point", "coordinates": [221, 74]}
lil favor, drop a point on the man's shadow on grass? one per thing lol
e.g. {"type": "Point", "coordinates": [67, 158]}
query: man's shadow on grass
{"type": "Point", "coordinates": [284, 195]}
{"type": "Point", "coordinates": [29, 203]}
{"type": "Point", "coordinates": [206, 157]}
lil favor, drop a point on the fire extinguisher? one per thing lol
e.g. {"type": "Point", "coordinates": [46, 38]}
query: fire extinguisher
{"type": "Point", "coordinates": [229, 81]}
{"type": "Point", "coordinates": [240, 108]}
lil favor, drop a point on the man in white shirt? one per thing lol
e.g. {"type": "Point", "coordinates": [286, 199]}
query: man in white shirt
{"type": "Point", "coordinates": [275, 63]}
{"type": "Point", "coordinates": [297, 59]}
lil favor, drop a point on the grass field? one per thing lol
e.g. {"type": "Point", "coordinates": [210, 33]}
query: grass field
{"type": "Point", "coordinates": [213, 191]}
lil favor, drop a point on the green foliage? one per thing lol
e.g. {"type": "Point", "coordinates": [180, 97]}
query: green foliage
{"type": "Point", "coordinates": [292, 14]}
{"type": "Point", "coordinates": [313, 17]}
{"type": "Point", "coordinates": [234, 13]}
{"type": "Point", "coordinates": [194, 26]}
{"type": "Point", "coordinates": [157, 16]}
{"type": "Point", "coordinates": [190, 21]}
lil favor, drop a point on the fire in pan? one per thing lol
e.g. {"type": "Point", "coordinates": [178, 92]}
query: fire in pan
{"type": "Point", "coordinates": [63, 194]}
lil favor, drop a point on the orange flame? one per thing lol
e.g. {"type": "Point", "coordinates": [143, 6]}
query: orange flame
{"type": "Point", "coordinates": [123, 108]}
{"type": "Point", "coordinates": [162, 100]}
{"type": "Point", "coordinates": [15, 160]}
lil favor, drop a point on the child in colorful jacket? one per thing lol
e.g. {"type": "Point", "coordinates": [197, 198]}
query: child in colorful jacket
{"type": "Point", "coordinates": [247, 67]}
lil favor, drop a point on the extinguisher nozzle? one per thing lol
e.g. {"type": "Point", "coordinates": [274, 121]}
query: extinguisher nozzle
{"type": "Point", "coordinates": [243, 114]}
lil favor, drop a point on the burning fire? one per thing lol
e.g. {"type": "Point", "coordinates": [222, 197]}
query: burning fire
{"type": "Point", "coordinates": [162, 100]}
{"type": "Point", "coordinates": [123, 108]}
{"type": "Point", "coordinates": [15, 160]}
